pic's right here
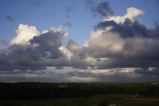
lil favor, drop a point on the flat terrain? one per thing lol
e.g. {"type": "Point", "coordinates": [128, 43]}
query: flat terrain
{"type": "Point", "coordinates": [79, 94]}
{"type": "Point", "coordinates": [98, 100]}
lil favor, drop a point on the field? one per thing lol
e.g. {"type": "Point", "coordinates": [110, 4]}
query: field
{"type": "Point", "coordinates": [79, 94]}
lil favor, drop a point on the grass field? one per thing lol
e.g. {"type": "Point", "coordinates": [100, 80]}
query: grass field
{"type": "Point", "coordinates": [98, 100]}
{"type": "Point", "coordinates": [78, 94]}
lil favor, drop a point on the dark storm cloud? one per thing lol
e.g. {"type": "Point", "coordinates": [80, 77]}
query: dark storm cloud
{"type": "Point", "coordinates": [103, 9]}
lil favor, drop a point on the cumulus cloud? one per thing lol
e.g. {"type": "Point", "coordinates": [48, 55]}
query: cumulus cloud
{"type": "Point", "coordinates": [24, 33]}
{"type": "Point", "coordinates": [37, 49]}
{"type": "Point", "coordinates": [119, 44]}
{"type": "Point", "coordinates": [111, 44]}
{"type": "Point", "coordinates": [132, 13]}
{"type": "Point", "coordinates": [119, 48]}
{"type": "Point", "coordinates": [73, 47]}
{"type": "Point", "coordinates": [101, 44]}
{"type": "Point", "coordinates": [113, 50]}
{"type": "Point", "coordinates": [66, 52]}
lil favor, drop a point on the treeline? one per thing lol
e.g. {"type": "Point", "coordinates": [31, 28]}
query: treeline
{"type": "Point", "coordinates": [13, 91]}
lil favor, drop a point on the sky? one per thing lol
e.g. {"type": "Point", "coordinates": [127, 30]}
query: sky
{"type": "Point", "coordinates": [79, 41]}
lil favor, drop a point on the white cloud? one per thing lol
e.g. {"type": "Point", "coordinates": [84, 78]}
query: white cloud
{"type": "Point", "coordinates": [24, 34]}
{"type": "Point", "coordinates": [66, 52]}
{"type": "Point", "coordinates": [58, 29]}
{"type": "Point", "coordinates": [91, 61]}
{"type": "Point", "coordinates": [132, 13]}
{"type": "Point", "coordinates": [101, 42]}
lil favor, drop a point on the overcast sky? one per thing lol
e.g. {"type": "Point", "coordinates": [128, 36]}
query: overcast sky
{"type": "Point", "coordinates": [79, 40]}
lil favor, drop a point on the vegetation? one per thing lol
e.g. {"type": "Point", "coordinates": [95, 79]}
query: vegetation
{"type": "Point", "coordinates": [79, 94]}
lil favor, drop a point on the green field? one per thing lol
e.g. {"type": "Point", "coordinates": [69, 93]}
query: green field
{"type": "Point", "coordinates": [79, 94]}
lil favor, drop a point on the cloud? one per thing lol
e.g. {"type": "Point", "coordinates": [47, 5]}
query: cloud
{"type": "Point", "coordinates": [3, 42]}
{"type": "Point", "coordinates": [68, 74]}
{"type": "Point", "coordinates": [73, 47]}
{"type": "Point", "coordinates": [119, 48]}
{"type": "Point", "coordinates": [68, 10]}
{"type": "Point", "coordinates": [24, 34]}
{"type": "Point", "coordinates": [9, 18]}
{"type": "Point", "coordinates": [29, 50]}
{"type": "Point", "coordinates": [111, 44]}
{"type": "Point", "coordinates": [110, 50]}
{"type": "Point", "coordinates": [120, 44]}
{"type": "Point", "coordinates": [66, 52]}
{"type": "Point", "coordinates": [102, 9]}
{"type": "Point", "coordinates": [101, 44]}
{"type": "Point", "coordinates": [128, 28]}
{"type": "Point", "coordinates": [132, 13]}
